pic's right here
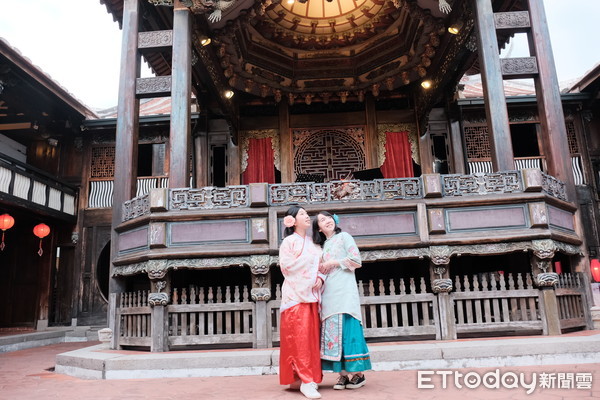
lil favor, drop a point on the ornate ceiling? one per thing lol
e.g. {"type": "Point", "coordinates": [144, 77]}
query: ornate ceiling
{"type": "Point", "coordinates": [307, 50]}
{"type": "Point", "coordinates": [321, 49]}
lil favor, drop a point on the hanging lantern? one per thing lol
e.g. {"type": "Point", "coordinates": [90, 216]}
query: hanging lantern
{"type": "Point", "coordinates": [41, 231]}
{"type": "Point", "coordinates": [595, 268]}
{"type": "Point", "coordinates": [6, 222]}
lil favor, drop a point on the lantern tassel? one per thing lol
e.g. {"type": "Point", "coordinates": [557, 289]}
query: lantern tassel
{"type": "Point", "coordinates": [40, 251]}
{"type": "Point", "coordinates": [2, 244]}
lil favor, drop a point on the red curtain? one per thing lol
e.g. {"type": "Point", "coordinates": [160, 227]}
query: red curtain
{"type": "Point", "coordinates": [398, 158]}
{"type": "Point", "coordinates": [260, 162]}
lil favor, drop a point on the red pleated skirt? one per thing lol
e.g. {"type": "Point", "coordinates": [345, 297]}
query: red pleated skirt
{"type": "Point", "coordinates": [299, 353]}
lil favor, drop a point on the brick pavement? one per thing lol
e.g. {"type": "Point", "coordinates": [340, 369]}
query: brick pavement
{"type": "Point", "coordinates": [27, 374]}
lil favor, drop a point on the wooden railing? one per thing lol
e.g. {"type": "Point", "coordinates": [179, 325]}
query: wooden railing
{"type": "Point", "coordinates": [101, 190]}
{"type": "Point", "coordinates": [489, 303]}
{"type": "Point", "coordinates": [392, 309]}
{"type": "Point", "coordinates": [389, 310]}
{"type": "Point", "coordinates": [485, 166]}
{"type": "Point", "coordinates": [200, 316]}
{"type": "Point", "coordinates": [36, 187]}
{"type": "Point", "coordinates": [134, 319]}
{"type": "Point", "coordinates": [570, 296]}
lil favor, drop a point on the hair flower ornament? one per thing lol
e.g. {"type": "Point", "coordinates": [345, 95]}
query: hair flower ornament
{"type": "Point", "coordinates": [336, 219]}
{"type": "Point", "coordinates": [289, 221]}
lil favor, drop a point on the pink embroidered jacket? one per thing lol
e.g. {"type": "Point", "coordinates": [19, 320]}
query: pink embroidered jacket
{"type": "Point", "coordinates": [299, 263]}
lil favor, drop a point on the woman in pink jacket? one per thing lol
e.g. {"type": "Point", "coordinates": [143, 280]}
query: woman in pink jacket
{"type": "Point", "coordinates": [299, 358]}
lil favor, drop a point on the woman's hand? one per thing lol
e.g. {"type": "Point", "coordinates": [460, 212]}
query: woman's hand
{"type": "Point", "coordinates": [318, 284]}
{"type": "Point", "coordinates": [328, 266]}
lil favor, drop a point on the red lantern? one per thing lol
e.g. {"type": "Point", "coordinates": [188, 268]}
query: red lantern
{"type": "Point", "coordinates": [41, 231]}
{"type": "Point", "coordinates": [595, 268]}
{"type": "Point", "coordinates": [6, 222]}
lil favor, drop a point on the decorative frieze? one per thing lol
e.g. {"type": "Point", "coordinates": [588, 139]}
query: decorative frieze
{"type": "Point", "coordinates": [438, 255]}
{"type": "Point", "coordinates": [482, 183]}
{"type": "Point", "coordinates": [159, 85]}
{"type": "Point", "coordinates": [156, 269]}
{"type": "Point", "coordinates": [518, 66]}
{"type": "Point", "coordinates": [208, 198]}
{"type": "Point", "coordinates": [512, 20]}
{"type": "Point", "coordinates": [345, 191]}
{"type": "Point", "coordinates": [155, 39]}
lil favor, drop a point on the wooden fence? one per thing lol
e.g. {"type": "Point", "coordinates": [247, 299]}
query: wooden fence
{"type": "Point", "coordinates": [217, 315]}
{"type": "Point", "coordinates": [490, 303]}
{"type": "Point", "coordinates": [394, 309]}
{"type": "Point", "coordinates": [570, 296]}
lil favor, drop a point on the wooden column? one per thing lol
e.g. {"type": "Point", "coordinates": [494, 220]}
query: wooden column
{"type": "Point", "coordinates": [181, 93]}
{"type": "Point", "coordinates": [547, 91]}
{"type": "Point", "coordinates": [233, 164]}
{"type": "Point", "coordinates": [493, 88]}
{"type": "Point", "coordinates": [458, 155]}
{"type": "Point", "coordinates": [286, 153]}
{"type": "Point", "coordinates": [126, 153]}
{"type": "Point", "coordinates": [371, 134]}
{"type": "Point", "coordinates": [201, 164]}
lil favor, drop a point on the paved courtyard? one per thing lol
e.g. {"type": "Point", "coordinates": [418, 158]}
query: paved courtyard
{"type": "Point", "coordinates": [28, 374]}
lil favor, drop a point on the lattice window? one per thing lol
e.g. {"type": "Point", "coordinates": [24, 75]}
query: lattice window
{"type": "Point", "coordinates": [477, 142]}
{"type": "Point", "coordinates": [572, 138]}
{"type": "Point", "coordinates": [103, 162]}
{"type": "Point", "coordinates": [334, 153]}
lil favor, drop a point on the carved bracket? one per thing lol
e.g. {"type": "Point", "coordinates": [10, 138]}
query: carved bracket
{"type": "Point", "coordinates": [546, 279]}
{"type": "Point", "coordinates": [260, 294]}
{"type": "Point", "coordinates": [441, 285]}
{"type": "Point", "coordinates": [543, 249]}
{"type": "Point", "coordinates": [158, 299]}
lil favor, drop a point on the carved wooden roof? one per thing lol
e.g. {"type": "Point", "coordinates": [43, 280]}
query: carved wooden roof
{"type": "Point", "coordinates": [321, 50]}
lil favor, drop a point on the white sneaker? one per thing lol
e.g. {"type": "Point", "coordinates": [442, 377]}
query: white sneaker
{"type": "Point", "coordinates": [309, 390]}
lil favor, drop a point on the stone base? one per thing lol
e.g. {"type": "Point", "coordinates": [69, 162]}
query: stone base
{"type": "Point", "coordinates": [41, 325]}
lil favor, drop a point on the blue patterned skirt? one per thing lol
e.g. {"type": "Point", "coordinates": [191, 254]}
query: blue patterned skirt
{"type": "Point", "coordinates": [355, 353]}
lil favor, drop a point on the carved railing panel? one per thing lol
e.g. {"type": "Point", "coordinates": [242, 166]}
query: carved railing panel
{"type": "Point", "coordinates": [208, 198]}
{"type": "Point", "coordinates": [345, 191]}
{"type": "Point", "coordinates": [553, 187]}
{"type": "Point", "coordinates": [480, 183]}
{"type": "Point", "coordinates": [136, 207]}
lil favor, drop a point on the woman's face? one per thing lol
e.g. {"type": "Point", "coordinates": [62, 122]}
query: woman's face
{"type": "Point", "coordinates": [302, 219]}
{"type": "Point", "coordinates": [326, 224]}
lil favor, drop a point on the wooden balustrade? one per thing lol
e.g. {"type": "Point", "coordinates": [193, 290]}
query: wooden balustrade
{"type": "Point", "coordinates": [134, 319]}
{"type": "Point", "coordinates": [37, 188]}
{"type": "Point", "coordinates": [570, 296]}
{"type": "Point", "coordinates": [490, 303]}
{"type": "Point", "coordinates": [392, 309]}
{"type": "Point", "coordinates": [211, 315]}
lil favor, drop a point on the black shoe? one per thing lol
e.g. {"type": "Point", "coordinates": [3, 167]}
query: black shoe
{"type": "Point", "coordinates": [341, 383]}
{"type": "Point", "coordinates": [356, 382]}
